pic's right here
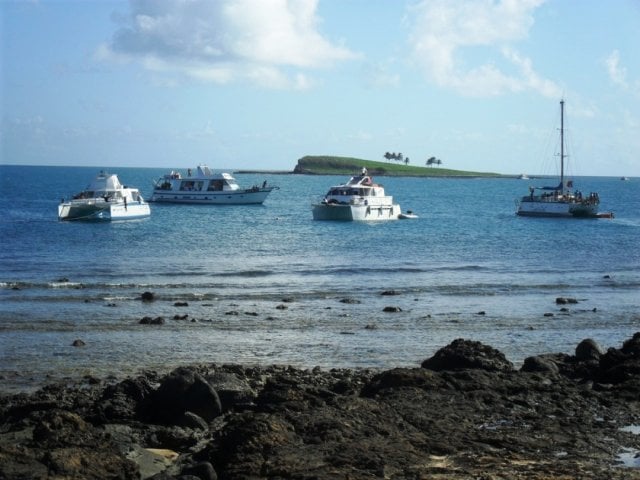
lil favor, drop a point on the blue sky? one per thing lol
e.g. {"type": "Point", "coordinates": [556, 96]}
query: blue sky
{"type": "Point", "coordinates": [260, 83]}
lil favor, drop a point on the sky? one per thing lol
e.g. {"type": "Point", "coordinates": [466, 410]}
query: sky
{"type": "Point", "coordinates": [258, 84]}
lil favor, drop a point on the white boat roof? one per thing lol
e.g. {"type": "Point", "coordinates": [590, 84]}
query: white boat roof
{"type": "Point", "coordinates": [363, 180]}
{"type": "Point", "coordinates": [359, 181]}
{"type": "Point", "coordinates": [105, 181]}
{"type": "Point", "coordinates": [203, 171]}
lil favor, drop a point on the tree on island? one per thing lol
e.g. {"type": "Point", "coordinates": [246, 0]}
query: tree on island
{"type": "Point", "coordinates": [394, 156]}
{"type": "Point", "coordinates": [433, 161]}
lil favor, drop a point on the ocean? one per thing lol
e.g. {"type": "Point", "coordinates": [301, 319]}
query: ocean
{"type": "Point", "coordinates": [268, 285]}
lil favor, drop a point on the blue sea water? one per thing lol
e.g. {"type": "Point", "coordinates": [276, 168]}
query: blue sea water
{"type": "Point", "coordinates": [268, 285]}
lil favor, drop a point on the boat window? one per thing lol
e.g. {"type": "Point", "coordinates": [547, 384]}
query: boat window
{"type": "Point", "coordinates": [215, 186]}
{"type": "Point", "coordinates": [190, 185]}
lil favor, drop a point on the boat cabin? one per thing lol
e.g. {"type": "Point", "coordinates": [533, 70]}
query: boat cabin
{"type": "Point", "coordinates": [357, 189]}
{"type": "Point", "coordinates": [204, 181]}
{"type": "Point", "coordinates": [103, 186]}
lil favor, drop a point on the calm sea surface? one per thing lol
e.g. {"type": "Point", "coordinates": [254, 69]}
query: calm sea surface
{"type": "Point", "coordinates": [235, 266]}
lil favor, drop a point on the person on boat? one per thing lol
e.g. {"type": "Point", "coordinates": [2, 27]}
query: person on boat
{"type": "Point", "coordinates": [364, 171]}
{"type": "Point", "coordinates": [264, 184]}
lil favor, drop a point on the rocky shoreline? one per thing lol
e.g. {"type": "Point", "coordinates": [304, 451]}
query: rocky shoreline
{"type": "Point", "coordinates": [466, 413]}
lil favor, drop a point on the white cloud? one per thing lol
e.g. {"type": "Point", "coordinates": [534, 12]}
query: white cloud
{"type": "Point", "coordinates": [267, 42]}
{"type": "Point", "coordinates": [445, 33]}
{"type": "Point", "coordinates": [617, 73]}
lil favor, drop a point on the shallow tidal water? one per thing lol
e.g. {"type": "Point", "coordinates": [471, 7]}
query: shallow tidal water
{"type": "Point", "coordinates": [268, 285]}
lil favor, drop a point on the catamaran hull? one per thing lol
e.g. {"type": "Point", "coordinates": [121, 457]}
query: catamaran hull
{"type": "Point", "coordinates": [96, 212]}
{"type": "Point", "coordinates": [556, 209]}
{"type": "Point", "coordinates": [236, 197]}
{"type": "Point", "coordinates": [327, 211]}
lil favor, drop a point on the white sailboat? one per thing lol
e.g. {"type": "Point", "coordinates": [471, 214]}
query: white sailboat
{"type": "Point", "coordinates": [559, 200]}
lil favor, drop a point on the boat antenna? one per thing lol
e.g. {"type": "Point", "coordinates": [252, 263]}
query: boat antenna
{"type": "Point", "coordinates": [562, 144]}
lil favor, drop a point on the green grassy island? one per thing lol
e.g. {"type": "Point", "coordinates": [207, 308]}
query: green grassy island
{"type": "Point", "coordinates": [331, 165]}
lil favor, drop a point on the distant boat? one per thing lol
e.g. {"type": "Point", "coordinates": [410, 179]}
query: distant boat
{"type": "Point", "coordinates": [559, 200]}
{"type": "Point", "coordinates": [523, 176]}
{"type": "Point", "coordinates": [358, 199]}
{"type": "Point", "coordinates": [105, 199]}
{"type": "Point", "coordinates": [206, 187]}
{"type": "Point", "coordinates": [624, 179]}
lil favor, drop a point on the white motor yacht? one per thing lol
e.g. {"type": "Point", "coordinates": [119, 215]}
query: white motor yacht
{"type": "Point", "coordinates": [206, 187]}
{"type": "Point", "coordinates": [358, 199]}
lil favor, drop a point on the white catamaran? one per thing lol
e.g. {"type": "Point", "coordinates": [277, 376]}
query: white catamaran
{"type": "Point", "coordinates": [105, 199]}
{"type": "Point", "coordinates": [559, 200]}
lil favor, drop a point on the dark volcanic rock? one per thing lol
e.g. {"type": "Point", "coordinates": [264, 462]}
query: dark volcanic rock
{"type": "Point", "coordinates": [147, 297]}
{"type": "Point", "coordinates": [352, 301]}
{"type": "Point", "coordinates": [63, 445]}
{"type": "Point", "coordinates": [631, 347]}
{"type": "Point", "coordinates": [565, 300]}
{"type": "Point", "coordinates": [542, 364]}
{"type": "Point", "coordinates": [472, 416]}
{"type": "Point", "coordinates": [588, 349]}
{"type": "Point", "coordinates": [121, 402]}
{"type": "Point", "coordinates": [390, 293]}
{"type": "Point", "coordinates": [151, 321]}
{"type": "Point", "coordinates": [468, 354]}
{"type": "Point", "coordinates": [402, 378]}
{"type": "Point", "coordinates": [184, 390]}
{"type": "Point", "coordinates": [391, 309]}
{"type": "Point", "coordinates": [201, 471]}
{"type": "Point", "coordinates": [232, 389]}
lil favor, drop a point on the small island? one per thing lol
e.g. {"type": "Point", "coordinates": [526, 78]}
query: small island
{"type": "Point", "coordinates": [335, 165]}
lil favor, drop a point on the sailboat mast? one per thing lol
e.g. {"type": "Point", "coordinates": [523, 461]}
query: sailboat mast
{"type": "Point", "coordinates": [562, 144]}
